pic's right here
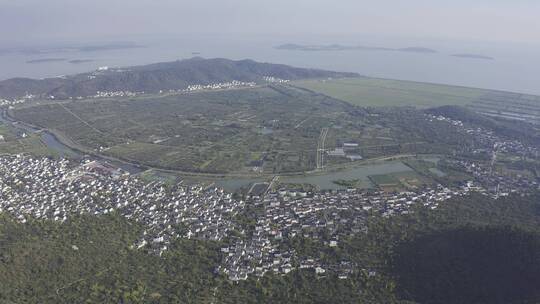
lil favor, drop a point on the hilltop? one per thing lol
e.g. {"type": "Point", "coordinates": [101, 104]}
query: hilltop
{"type": "Point", "coordinates": [152, 78]}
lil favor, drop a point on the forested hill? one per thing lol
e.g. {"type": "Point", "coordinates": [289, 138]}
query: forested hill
{"type": "Point", "coordinates": [151, 78]}
{"type": "Point", "coordinates": [472, 250]}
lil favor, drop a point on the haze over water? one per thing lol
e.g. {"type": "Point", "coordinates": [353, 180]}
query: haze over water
{"type": "Point", "coordinates": [515, 67]}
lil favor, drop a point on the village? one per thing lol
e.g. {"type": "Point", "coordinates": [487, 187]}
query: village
{"type": "Point", "coordinates": [234, 84]}
{"type": "Point", "coordinates": [329, 216]}
{"type": "Point", "coordinates": [54, 189]}
{"type": "Point", "coordinates": [43, 188]}
{"type": "Point", "coordinates": [487, 140]}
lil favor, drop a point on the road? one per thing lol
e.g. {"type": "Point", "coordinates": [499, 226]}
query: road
{"type": "Point", "coordinates": [274, 180]}
{"type": "Point", "coordinates": [79, 118]}
{"type": "Point", "coordinates": [63, 140]}
{"type": "Point", "coordinates": [301, 123]}
{"type": "Point", "coordinates": [321, 148]}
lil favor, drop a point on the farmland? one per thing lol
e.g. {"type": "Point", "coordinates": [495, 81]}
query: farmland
{"type": "Point", "coordinates": [373, 92]}
{"type": "Point", "coordinates": [257, 131]}
{"type": "Point", "coordinates": [509, 106]}
{"type": "Point", "coordinates": [12, 143]}
{"type": "Point", "coordinates": [214, 132]}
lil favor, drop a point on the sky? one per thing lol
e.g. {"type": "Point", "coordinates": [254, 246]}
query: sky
{"type": "Point", "coordinates": [471, 20]}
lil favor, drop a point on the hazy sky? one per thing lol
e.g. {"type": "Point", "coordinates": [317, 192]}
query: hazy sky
{"type": "Point", "coordinates": [488, 20]}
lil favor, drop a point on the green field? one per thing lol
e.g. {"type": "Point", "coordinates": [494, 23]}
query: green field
{"type": "Point", "coordinates": [373, 92]}
{"type": "Point", "coordinates": [384, 180]}
{"type": "Point", "coordinates": [11, 143]}
{"type": "Point", "coordinates": [273, 129]}
{"type": "Point", "coordinates": [264, 130]}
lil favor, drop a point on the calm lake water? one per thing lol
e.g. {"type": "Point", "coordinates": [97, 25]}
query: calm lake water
{"type": "Point", "coordinates": [515, 67]}
{"type": "Point", "coordinates": [234, 184]}
{"type": "Point", "coordinates": [437, 172]}
{"type": "Point", "coordinates": [325, 181]}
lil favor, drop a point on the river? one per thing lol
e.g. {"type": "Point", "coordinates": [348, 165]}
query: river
{"type": "Point", "coordinates": [62, 150]}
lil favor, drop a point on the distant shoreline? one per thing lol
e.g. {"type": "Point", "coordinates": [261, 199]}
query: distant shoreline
{"type": "Point", "coordinates": [473, 56]}
{"type": "Point", "coordinates": [338, 47]}
{"type": "Point", "coordinates": [45, 60]}
{"type": "Point", "coordinates": [78, 61]}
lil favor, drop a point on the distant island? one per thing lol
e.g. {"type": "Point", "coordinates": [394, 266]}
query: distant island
{"type": "Point", "coordinates": [417, 50]}
{"type": "Point", "coordinates": [70, 48]}
{"type": "Point", "coordinates": [473, 56]}
{"type": "Point", "coordinates": [77, 61]}
{"type": "Point", "coordinates": [338, 47]}
{"type": "Point", "coordinates": [108, 47]}
{"type": "Point", "coordinates": [45, 60]}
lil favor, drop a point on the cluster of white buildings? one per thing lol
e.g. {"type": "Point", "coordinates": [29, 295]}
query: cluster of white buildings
{"type": "Point", "coordinates": [272, 79]}
{"type": "Point", "coordinates": [100, 94]}
{"type": "Point", "coordinates": [432, 118]}
{"type": "Point", "coordinates": [488, 141]}
{"type": "Point", "coordinates": [50, 189]}
{"type": "Point", "coordinates": [330, 216]}
{"type": "Point", "coordinates": [7, 103]}
{"type": "Point", "coordinates": [16, 101]}
{"type": "Point", "coordinates": [219, 86]}
{"type": "Point", "coordinates": [235, 84]}
{"type": "Point", "coordinates": [43, 188]}
{"type": "Point", "coordinates": [323, 216]}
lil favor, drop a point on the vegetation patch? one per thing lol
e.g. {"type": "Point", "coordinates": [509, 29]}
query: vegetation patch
{"type": "Point", "coordinates": [351, 183]}
{"type": "Point", "coordinates": [470, 265]}
{"type": "Point", "coordinates": [373, 92]}
{"type": "Point", "coordinates": [384, 180]}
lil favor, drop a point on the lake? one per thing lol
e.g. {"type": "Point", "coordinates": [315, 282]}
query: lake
{"type": "Point", "coordinates": [234, 184]}
{"type": "Point", "coordinates": [325, 181]}
{"type": "Point", "coordinates": [514, 68]}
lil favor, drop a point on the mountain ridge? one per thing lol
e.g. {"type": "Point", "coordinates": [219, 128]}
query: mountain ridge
{"type": "Point", "coordinates": [174, 75]}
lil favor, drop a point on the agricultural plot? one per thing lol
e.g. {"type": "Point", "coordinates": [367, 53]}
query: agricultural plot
{"type": "Point", "coordinates": [154, 175]}
{"type": "Point", "coordinates": [373, 92]}
{"type": "Point", "coordinates": [509, 106]}
{"type": "Point", "coordinates": [385, 180]}
{"type": "Point", "coordinates": [31, 144]}
{"type": "Point", "coordinates": [400, 181]}
{"type": "Point", "coordinates": [436, 171]}
{"type": "Point", "coordinates": [266, 130]}
{"type": "Point", "coordinates": [213, 132]}
{"type": "Point", "coordinates": [11, 143]}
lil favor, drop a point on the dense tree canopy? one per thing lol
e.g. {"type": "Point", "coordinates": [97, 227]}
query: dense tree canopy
{"type": "Point", "coordinates": [473, 250]}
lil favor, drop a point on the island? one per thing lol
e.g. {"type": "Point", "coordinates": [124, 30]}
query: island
{"type": "Point", "coordinates": [473, 56]}
{"type": "Point", "coordinates": [78, 61]}
{"type": "Point", "coordinates": [338, 47]}
{"type": "Point", "coordinates": [45, 60]}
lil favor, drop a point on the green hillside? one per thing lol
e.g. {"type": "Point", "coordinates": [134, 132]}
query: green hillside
{"type": "Point", "coordinates": [474, 241]}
